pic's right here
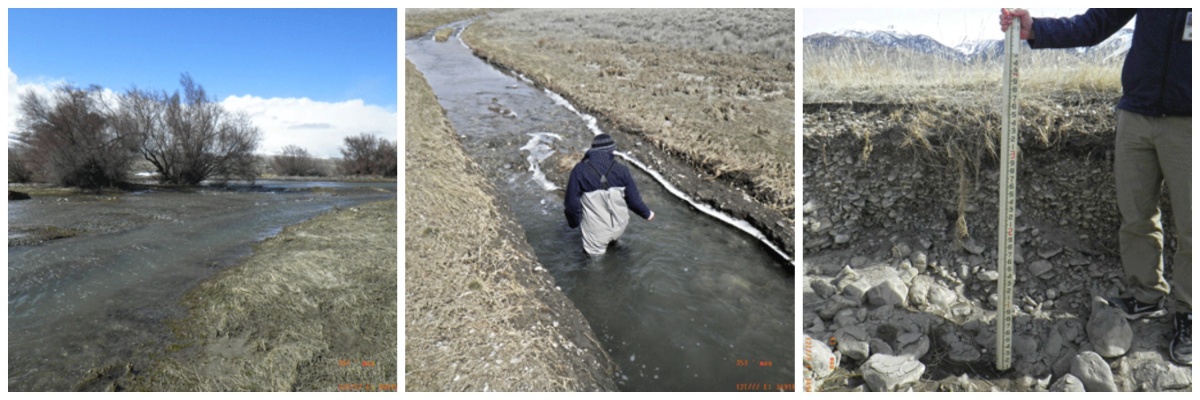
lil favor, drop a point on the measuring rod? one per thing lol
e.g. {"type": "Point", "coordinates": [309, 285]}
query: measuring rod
{"type": "Point", "coordinates": [1008, 198]}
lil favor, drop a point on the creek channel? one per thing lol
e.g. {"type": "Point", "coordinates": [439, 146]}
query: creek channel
{"type": "Point", "coordinates": [103, 297]}
{"type": "Point", "coordinates": [683, 302]}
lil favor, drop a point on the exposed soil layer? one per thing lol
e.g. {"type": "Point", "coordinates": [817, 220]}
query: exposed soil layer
{"type": "Point", "coordinates": [720, 125]}
{"type": "Point", "coordinates": [481, 314]}
{"type": "Point", "coordinates": [900, 229]}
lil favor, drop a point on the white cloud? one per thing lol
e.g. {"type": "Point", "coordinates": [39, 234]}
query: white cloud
{"type": "Point", "coordinates": [15, 88]}
{"type": "Point", "coordinates": [316, 126]}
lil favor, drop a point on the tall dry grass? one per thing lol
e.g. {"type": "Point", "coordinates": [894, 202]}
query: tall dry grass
{"type": "Point", "coordinates": [480, 313]}
{"type": "Point", "coordinates": [314, 309]}
{"type": "Point", "coordinates": [870, 73]}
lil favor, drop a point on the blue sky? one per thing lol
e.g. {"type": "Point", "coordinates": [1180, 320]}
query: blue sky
{"type": "Point", "coordinates": [306, 76]}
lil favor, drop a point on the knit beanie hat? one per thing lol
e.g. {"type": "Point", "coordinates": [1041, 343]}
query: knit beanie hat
{"type": "Point", "coordinates": [603, 142]}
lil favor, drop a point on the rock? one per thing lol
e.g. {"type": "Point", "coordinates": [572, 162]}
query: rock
{"type": "Point", "coordinates": [810, 206]}
{"type": "Point", "coordinates": [1069, 330]}
{"type": "Point", "coordinates": [1049, 250]}
{"type": "Point", "coordinates": [989, 275]}
{"type": "Point", "coordinates": [857, 261]}
{"type": "Point", "coordinates": [1053, 345]}
{"type": "Point", "coordinates": [919, 260]}
{"type": "Point", "coordinates": [1039, 267]}
{"type": "Point", "coordinates": [1095, 374]}
{"type": "Point", "coordinates": [847, 317]}
{"type": "Point", "coordinates": [1109, 332]}
{"type": "Point", "coordinates": [913, 344]}
{"type": "Point", "coordinates": [853, 342]}
{"type": "Point", "coordinates": [841, 238]}
{"type": "Point", "coordinates": [971, 247]}
{"type": "Point", "coordinates": [856, 291]}
{"type": "Point", "coordinates": [813, 323]}
{"type": "Point", "coordinates": [878, 346]}
{"type": "Point", "coordinates": [963, 352]}
{"type": "Point", "coordinates": [891, 292]}
{"type": "Point", "coordinates": [823, 288]}
{"type": "Point", "coordinates": [834, 305]}
{"type": "Point", "coordinates": [1158, 375]}
{"type": "Point", "coordinates": [942, 297]}
{"type": "Point", "coordinates": [918, 292]}
{"type": "Point", "coordinates": [901, 250]}
{"type": "Point", "coordinates": [884, 372]}
{"type": "Point", "coordinates": [1068, 383]}
{"type": "Point", "coordinates": [15, 195]}
{"type": "Point", "coordinates": [1025, 346]}
{"type": "Point", "coordinates": [1051, 294]}
{"type": "Point", "coordinates": [818, 358]}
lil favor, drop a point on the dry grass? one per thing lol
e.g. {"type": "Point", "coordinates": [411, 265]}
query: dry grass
{"type": "Point", "coordinates": [865, 72]}
{"type": "Point", "coordinates": [714, 86]}
{"type": "Point", "coordinates": [480, 312]}
{"type": "Point", "coordinates": [314, 309]}
{"type": "Point", "coordinates": [419, 21]}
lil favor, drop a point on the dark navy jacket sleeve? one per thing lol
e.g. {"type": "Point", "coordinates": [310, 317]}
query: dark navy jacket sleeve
{"type": "Point", "coordinates": [1087, 29]}
{"type": "Point", "coordinates": [1156, 79]}
{"type": "Point", "coordinates": [632, 197]}
{"type": "Point", "coordinates": [572, 206]}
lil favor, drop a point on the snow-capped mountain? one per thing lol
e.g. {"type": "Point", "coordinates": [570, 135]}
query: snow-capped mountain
{"type": "Point", "coordinates": [915, 42]}
{"type": "Point", "coordinates": [1112, 49]}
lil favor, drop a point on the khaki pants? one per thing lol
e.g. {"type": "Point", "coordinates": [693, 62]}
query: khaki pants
{"type": "Point", "coordinates": [1149, 152]}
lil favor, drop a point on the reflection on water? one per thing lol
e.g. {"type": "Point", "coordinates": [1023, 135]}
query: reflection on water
{"type": "Point", "coordinates": [684, 302]}
{"type": "Point", "coordinates": [102, 297]}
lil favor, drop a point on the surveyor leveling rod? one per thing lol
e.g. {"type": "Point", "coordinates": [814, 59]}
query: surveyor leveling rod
{"type": "Point", "coordinates": [1008, 198]}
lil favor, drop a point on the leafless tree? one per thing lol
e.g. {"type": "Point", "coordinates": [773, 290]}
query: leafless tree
{"type": "Point", "coordinates": [367, 154]}
{"type": "Point", "coordinates": [189, 137]}
{"type": "Point", "coordinates": [295, 160]}
{"type": "Point", "coordinates": [18, 171]}
{"type": "Point", "coordinates": [70, 138]}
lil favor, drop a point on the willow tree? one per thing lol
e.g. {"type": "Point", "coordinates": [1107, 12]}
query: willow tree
{"type": "Point", "coordinates": [189, 137]}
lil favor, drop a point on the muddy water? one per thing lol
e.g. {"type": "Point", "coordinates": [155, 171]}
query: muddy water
{"type": "Point", "coordinates": [685, 302]}
{"type": "Point", "coordinates": [102, 298]}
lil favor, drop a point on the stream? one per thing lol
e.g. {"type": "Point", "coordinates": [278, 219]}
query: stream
{"type": "Point", "coordinates": [685, 302]}
{"type": "Point", "coordinates": [103, 297]}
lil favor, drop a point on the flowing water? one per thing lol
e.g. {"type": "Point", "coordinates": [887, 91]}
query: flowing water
{"type": "Point", "coordinates": [684, 302]}
{"type": "Point", "coordinates": [103, 297]}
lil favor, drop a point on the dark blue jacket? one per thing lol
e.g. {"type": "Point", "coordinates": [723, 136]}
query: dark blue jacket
{"type": "Point", "coordinates": [584, 179]}
{"type": "Point", "coordinates": [1157, 77]}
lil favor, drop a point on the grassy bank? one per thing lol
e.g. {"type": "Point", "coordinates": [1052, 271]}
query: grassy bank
{"type": "Point", "coordinates": [480, 313]}
{"type": "Point", "coordinates": [714, 87]}
{"type": "Point", "coordinates": [314, 309]}
{"type": "Point", "coordinates": [418, 21]}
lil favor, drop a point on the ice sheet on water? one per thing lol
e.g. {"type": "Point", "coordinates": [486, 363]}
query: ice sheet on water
{"type": "Point", "coordinates": [539, 149]}
{"type": "Point", "coordinates": [743, 225]}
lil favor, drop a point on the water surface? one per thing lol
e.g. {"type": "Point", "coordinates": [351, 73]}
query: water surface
{"type": "Point", "coordinates": [684, 302]}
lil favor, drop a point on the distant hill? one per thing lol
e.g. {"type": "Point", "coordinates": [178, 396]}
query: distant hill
{"type": "Point", "coordinates": [1112, 49]}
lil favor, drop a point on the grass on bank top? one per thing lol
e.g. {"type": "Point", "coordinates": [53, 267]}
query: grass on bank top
{"type": "Point", "coordinates": [418, 21]}
{"type": "Point", "coordinates": [714, 87]}
{"type": "Point", "coordinates": [880, 75]}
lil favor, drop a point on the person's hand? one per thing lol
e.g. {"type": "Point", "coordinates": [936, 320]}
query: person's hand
{"type": "Point", "coordinates": [651, 216]}
{"type": "Point", "coordinates": [1006, 17]}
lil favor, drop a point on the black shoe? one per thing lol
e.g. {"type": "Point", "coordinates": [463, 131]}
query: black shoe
{"type": "Point", "coordinates": [1135, 309]}
{"type": "Point", "coordinates": [1181, 345]}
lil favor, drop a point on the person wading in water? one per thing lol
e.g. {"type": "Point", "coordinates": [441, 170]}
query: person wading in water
{"type": "Point", "coordinates": [600, 194]}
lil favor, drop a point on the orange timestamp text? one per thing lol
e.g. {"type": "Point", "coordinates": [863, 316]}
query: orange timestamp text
{"type": "Point", "coordinates": [366, 387]}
